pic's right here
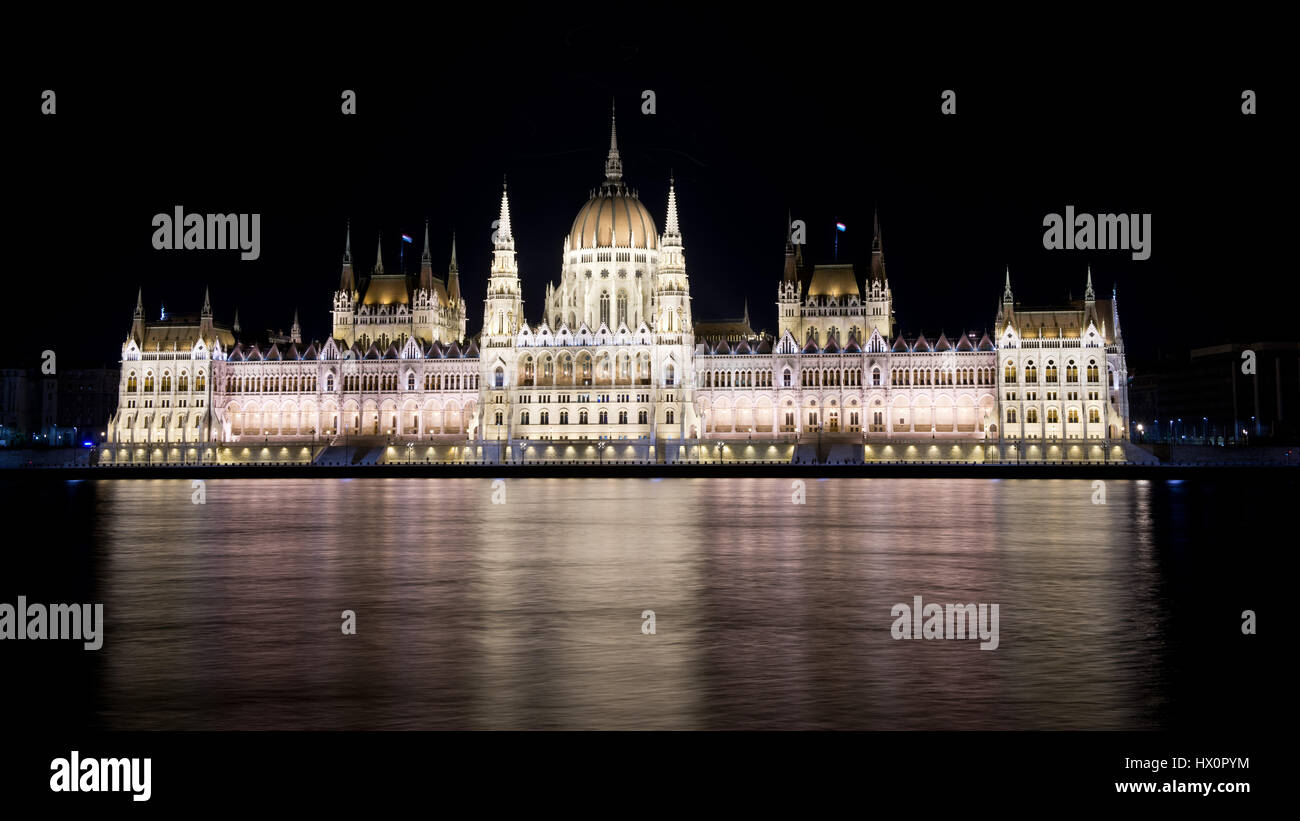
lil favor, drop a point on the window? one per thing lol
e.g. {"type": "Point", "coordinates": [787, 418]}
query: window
{"type": "Point", "coordinates": [1092, 371]}
{"type": "Point", "coordinates": [622, 417]}
{"type": "Point", "coordinates": [604, 417]}
{"type": "Point", "coordinates": [875, 377]}
{"type": "Point", "coordinates": [1094, 416]}
{"type": "Point", "coordinates": [604, 307]}
{"type": "Point", "coordinates": [1051, 371]}
{"type": "Point", "coordinates": [641, 418]}
{"type": "Point", "coordinates": [622, 307]}
{"type": "Point", "coordinates": [1073, 415]}
{"type": "Point", "coordinates": [523, 418]}
{"type": "Point", "coordinates": [500, 418]}
{"type": "Point", "coordinates": [1031, 372]}
{"type": "Point", "coordinates": [1011, 414]}
{"type": "Point", "coordinates": [410, 381]}
{"type": "Point", "coordinates": [582, 417]}
{"type": "Point", "coordinates": [1009, 373]}
{"type": "Point", "coordinates": [500, 378]}
{"type": "Point", "coordinates": [1071, 372]}
{"type": "Point", "coordinates": [1052, 416]}
{"type": "Point", "coordinates": [669, 420]}
{"type": "Point", "coordinates": [546, 417]}
{"type": "Point", "coordinates": [564, 417]}
{"type": "Point", "coordinates": [166, 381]}
{"type": "Point", "coordinates": [1031, 415]}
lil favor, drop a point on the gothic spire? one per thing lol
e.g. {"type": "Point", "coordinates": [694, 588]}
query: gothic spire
{"type": "Point", "coordinates": [235, 327]}
{"type": "Point", "coordinates": [1006, 291]}
{"type": "Point", "coordinates": [613, 164]}
{"type": "Point", "coordinates": [1088, 294]}
{"type": "Point", "coordinates": [877, 251]}
{"type": "Point", "coordinates": [791, 273]}
{"type": "Point", "coordinates": [426, 262]}
{"type": "Point", "coordinates": [379, 256]}
{"type": "Point", "coordinates": [207, 303]}
{"type": "Point", "coordinates": [453, 276]}
{"type": "Point", "coordinates": [139, 302]}
{"type": "Point", "coordinates": [347, 280]}
{"type": "Point", "coordinates": [671, 228]}
{"type": "Point", "coordinates": [504, 233]}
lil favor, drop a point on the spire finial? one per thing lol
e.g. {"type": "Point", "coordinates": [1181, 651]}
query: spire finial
{"type": "Point", "coordinates": [503, 229]}
{"type": "Point", "coordinates": [379, 256]}
{"type": "Point", "coordinates": [453, 268]}
{"type": "Point", "coordinates": [1088, 294]}
{"type": "Point", "coordinates": [235, 326]}
{"type": "Point", "coordinates": [426, 256]}
{"type": "Point", "coordinates": [1006, 290]}
{"type": "Point", "coordinates": [613, 163]}
{"type": "Point", "coordinates": [347, 248]}
{"type": "Point", "coordinates": [207, 303]}
{"type": "Point", "coordinates": [671, 228]}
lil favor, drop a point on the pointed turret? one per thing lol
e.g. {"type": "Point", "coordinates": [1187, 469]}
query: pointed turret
{"type": "Point", "coordinates": [295, 331]}
{"type": "Point", "coordinates": [1088, 295]}
{"type": "Point", "coordinates": [137, 318]}
{"type": "Point", "coordinates": [671, 229]}
{"type": "Point", "coordinates": [426, 263]}
{"type": "Point", "coordinates": [745, 319]}
{"type": "Point", "coordinates": [453, 276]}
{"type": "Point", "coordinates": [205, 317]}
{"type": "Point", "coordinates": [1114, 316]}
{"type": "Point", "coordinates": [791, 271]}
{"type": "Point", "coordinates": [1006, 291]}
{"type": "Point", "coordinates": [379, 257]}
{"type": "Point", "coordinates": [347, 280]}
{"type": "Point", "coordinates": [235, 327]}
{"type": "Point", "coordinates": [505, 234]}
{"type": "Point", "coordinates": [877, 252]}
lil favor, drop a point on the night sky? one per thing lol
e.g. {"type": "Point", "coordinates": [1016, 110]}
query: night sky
{"type": "Point", "coordinates": [827, 129]}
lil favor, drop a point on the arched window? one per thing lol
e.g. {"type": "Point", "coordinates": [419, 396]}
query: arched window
{"type": "Point", "coordinates": [130, 382]}
{"type": "Point", "coordinates": [1031, 415]}
{"type": "Point", "coordinates": [1052, 416]}
{"type": "Point", "coordinates": [604, 417]}
{"type": "Point", "coordinates": [1094, 416]}
{"type": "Point", "coordinates": [500, 418]}
{"type": "Point", "coordinates": [604, 307]}
{"type": "Point", "coordinates": [546, 417]}
{"type": "Point", "coordinates": [1071, 372]}
{"type": "Point", "coordinates": [582, 417]}
{"type": "Point", "coordinates": [148, 381]}
{"type": "Point", "coordinates": [523, 418]}
{"type": "Point", "coordinates": [1073, 416]}
{"type": "Point", "coordinates": [875, 377]}
{"type": "Point", "coordinates": [1051, 372]}
{"type": "Point", "coordinates": [668, 375]}
{"type": "Point", "coordinates": [500, 377]}
{"type": "Point", "coordinates": [166, 381]}
{"type": "Point", "coordinates": [670, 417]}
{"type": "Point", "coordinates": [1092, 371]}
{"type": "Point", "coordinates": [1031, 371]}
{"type": "Point", "coordinates": [1011, 414]}
{"type": "Point", "coordinates": [622, 417]}
{"type": "Point", "coordinates": [183, 382]}
{"type": "Point", "coordinates": [329, 382]}
{"type": "Point", "coordinates": [622, 307]}
{"type": "Point", "coordinates": [410, 381]}
{"type": "Point", "coordinates": [641, 417]}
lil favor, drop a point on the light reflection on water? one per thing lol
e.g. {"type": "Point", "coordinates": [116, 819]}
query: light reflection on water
{"type": "Point", "coordinates": [528, 614]}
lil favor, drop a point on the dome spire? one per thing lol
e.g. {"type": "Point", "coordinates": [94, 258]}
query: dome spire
{"type": "Point", "coordinates": [379, 256]}
{"type": "Point", "coordinates": [613, 163]}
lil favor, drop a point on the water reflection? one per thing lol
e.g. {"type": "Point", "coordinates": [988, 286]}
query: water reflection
{"type": "Point", "coordinates": [527, 614]}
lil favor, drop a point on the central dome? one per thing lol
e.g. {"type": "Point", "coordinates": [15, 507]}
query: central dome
{"type": "Point", "coordinates": [614, 216]}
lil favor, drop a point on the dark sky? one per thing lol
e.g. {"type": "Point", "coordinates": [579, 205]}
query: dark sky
{"type": "Point", "coordinates": [826, 128]}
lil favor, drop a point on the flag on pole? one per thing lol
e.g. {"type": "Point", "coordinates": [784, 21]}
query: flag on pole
{"type": "Point", "coordinates": [839, 226]}
{"type": "Point", "coordinates": [405, 238]}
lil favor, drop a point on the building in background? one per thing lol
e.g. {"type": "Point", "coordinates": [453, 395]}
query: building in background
{"type": "Point", "coordinates": [1207, 396]}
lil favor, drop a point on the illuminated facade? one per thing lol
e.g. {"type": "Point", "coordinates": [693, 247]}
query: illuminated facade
{"type": "Point", "coordinates": [616, 359]}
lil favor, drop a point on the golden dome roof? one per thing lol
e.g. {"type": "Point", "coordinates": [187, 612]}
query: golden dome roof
{"type": "Point", "coordinates": [614, 216]}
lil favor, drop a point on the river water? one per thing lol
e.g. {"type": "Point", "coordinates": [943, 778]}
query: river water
{"type": "Point", "coordinates": [521, 604]}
